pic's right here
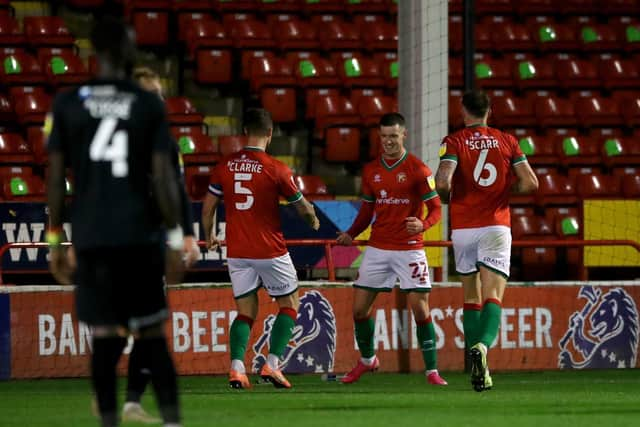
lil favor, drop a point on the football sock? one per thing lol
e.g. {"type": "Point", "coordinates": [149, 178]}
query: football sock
{"type": "Point", "coordinates": [137, 374]}
{"type": "Point", "coordinates": [239, 336]}
{"type": "Point", "coordinates": [105, 356]}
{"type": "Point", "coordinates": [273, 361]}
{"type": "Point", "coordinates": [471, 323]}
{"type": "Point", "coordinates": [163, 377]}
{"type": "Point", "coordinates": [281, 330]}
{"type": "Point", "coordinates": [489, 321]}
{"type": "Point", "coordinates": [364, 336]}
{"type": "Point", "coordinates": [238, 366]}
{"type": "Point", "coordinates": [427, 339]}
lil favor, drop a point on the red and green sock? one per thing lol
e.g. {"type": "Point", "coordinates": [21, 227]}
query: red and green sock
{"type": "Point", "coordinates": [427, 338]}
{"type": "Point", "coordinates": [489, 321]}
{"type": "Point", "coordinates": [471, 323]}
{"type": "Point", "coordinates": [282, 330]}
{"type": "Point", "coordinates": [239, 336]}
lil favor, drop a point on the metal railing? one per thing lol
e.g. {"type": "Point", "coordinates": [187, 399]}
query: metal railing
{"type": "Point", "coordinates": [329, 243]}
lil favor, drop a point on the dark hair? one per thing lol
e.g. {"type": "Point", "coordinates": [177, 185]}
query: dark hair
{"type": "Point", "coordinates": [115, 40]}
{"type": "Point", "coordinates": [476, 102]}
{"type": "Point", "coordinates": [392, 119]}
{"type": "Point", "coordinates": [257, 122]}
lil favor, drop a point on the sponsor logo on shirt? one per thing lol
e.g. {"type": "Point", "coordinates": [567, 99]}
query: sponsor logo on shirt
{"type": "Point", "coordinates": [384, 200]}
{"type": "Point", "coordinates": [376, 178]}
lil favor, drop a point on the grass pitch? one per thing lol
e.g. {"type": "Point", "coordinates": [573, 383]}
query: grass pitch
{"type": "Point", "coordinates": [540, 399]}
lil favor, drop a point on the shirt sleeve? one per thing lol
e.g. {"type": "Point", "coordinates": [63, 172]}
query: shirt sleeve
{"type": "Point", "coordinates": [427, 183]}
{"type": "Point", "coordinates": [517, 156]}
{"type": "Point", "coordinates": [215, 182]}
{"type": "Point", "coordinates": [448, 150]}
{"type": "Point", "coordinates": [367, 192]}
{"type": "Point", "coordinates": [287, 185]}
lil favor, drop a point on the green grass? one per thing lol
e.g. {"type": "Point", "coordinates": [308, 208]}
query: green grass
{"type": "Point", "coordinates": [540, 399]}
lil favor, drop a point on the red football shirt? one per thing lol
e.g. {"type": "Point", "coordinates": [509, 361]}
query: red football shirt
{"type": "Point", "coordinates": [483, 176]}
{"type": "Point", "coordinates": [251, 183]}
{"type": "Point", "coordinates": [398, 190]}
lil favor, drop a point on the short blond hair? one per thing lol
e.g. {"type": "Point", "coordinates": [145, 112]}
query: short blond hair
{"type": "Point", "coordinates": [140, 73]}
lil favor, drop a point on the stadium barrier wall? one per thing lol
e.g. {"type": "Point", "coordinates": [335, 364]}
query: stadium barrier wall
{"type": "Point", "coordinates": [578, 325]}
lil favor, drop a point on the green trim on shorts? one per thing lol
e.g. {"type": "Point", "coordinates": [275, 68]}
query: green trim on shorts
{"type": "Point", "coordinates": [283, 295]}
{"type": "Point", "coordinates": [367, 288]}
{"type": "Point", "coordinates": [488, 267]}
{"type": "Point", "coordinates": [417, 290]}
{"type": "Point", "coordinates": [467, 274]}
{"type": "Point", "coordinates": [253, 291]}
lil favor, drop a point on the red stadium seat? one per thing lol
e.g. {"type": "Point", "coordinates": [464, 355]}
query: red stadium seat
{"type": "Point", "coordinates": [534, 73]}
{"type": "Point", "coordinates": [510, 111]}
{"type": "Point", "coordinates": [281, 6]}
{"type": "Point", "coordinates": [455, 34]}
{"type": "Point", "coordinates": [20, 68]}
{"type": "Point", "coordinates": [367, 6]}
{"type": "Point", "coordinates": [492, 73]}
{"type": "Point", "coordinates": [205, 33]}
{"type": "Point", "coordinates": [342, 144]}
{"type": "Point", "coordinates": [313, 71]}
{"type": "Point", "coordinates": [598, 186]}
{"type": "Point", "coordinates": [631, 186]}
{"type": "Point", "coordinates": [455, 113]}
{"type": "Point", "coordinates": [598, 111]}
{"type": "Point", "coordinates": [10, 33]}
{"type": "Point", "coordinates": [619, 7]}
{"type": "Point", "coordinates": [14, 149]}
{"type": "Point", "coordinates": [599, 38]}
{"type": "Point", "coordinates": [322, 6]}
{"type": "Point", "coordinates": [582, 7]}
{"type": "Point", "coordinates": [234, 6]}
{"type": "Point", "coordinates": [197, 148]}
{"type": "Point", "coordinates": [379, 35]}
{"type": "Point", "coordinates": [456, 73]}
{"type": "Point", "coordinates": [619, 74]}
{"type": "Point", "coordinates": [629, 104]}
{"type": "Point", "coordinates": [229, 144]}
{"type": "Point", "coordinates": [535, 7]}
{"type": "Point", "coordinates": [507, 35]}
{"type": "Point", "coordinates": [336, 34]}
{"type": "Point", "coordinates": [62, 67]}
{"type": "Point", "coordinates": [310, 96]}
{"type": "Point", "coordinates": [577, 73]}
{"type": "Point", "coordinates": [293, 33]}
{"type": "Point", "coordinates": [189, 13]}
{"type": "Point", "coordinates": [181, 111]}
{"type": "Point", "coordinates": [359, 71]}
{"type": "Point", "coordinates": [246, 56]}
{"type": "Point", "coordinates": [374, 143]}
{"type": "Point", "coordinates": [482, 33]}
{"type": "Point", "coordinates": [494, 7]}
{"type": "Point", "coordinates": [23, 188]}
{"type": "Point", "coordinates": [334, 111]}
{"type": "Point", "coordinates": [150, 20]}
{"type": "Point", "coordinates": [46, 31]}
{"type": "Point", "coordinates": [554, 189]}
{"type": "Point", "coordinates": [551, 36]}
{"type": "Point", "coordinates": [247, 32]}
{"type": "Point", "coordinates": [31, 104]}
{"type": "Point", "coordinates": [38, 143]}
{"type": "Point", "coordinates": [553, 111]}
{"type": "Point", "coordinates": [281, 102]}
{"type": "Point", "coordinates": [271, 72]}
{"type": "Point", "coordinates": [197, 179]}
{"type": "Point", "coordinates": [538, 263]}
{"type": "Point", "coordinates": [213, 66]}
{"type": "Point", "coordinates": [539, 150]}
{"type": "Point", "coordinates": [579, 150]}
{"type": "Point", "coordinates": [312, 187]}
{"type": "Point", "coordinates": [371, 108]}
{"type": "Point", "coordinates": [357, 94]}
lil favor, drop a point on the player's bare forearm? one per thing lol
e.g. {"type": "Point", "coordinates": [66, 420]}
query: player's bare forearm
{"type": "Point", "coordinates": [209, 205]}
{"type": "Point", "coordinates": [165, 186]}
{"type": "Point", "coordinates": [308, 213]}
{"type": "Point", "coordinates": [527, 180]}
{"type": "Point", "coordinates": [444, 175]}
{"type": "Point", "coordinates": [55, 189]}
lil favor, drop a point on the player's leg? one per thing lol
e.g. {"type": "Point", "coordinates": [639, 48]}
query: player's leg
{"type": "Point", "coordinates": [465, 249]}
{"type": "Point", "coordinates": [244, 280]}
{"type": "Point", "coordinates": [374, 275]}
{"type": "Point", "coordinates": [138, 376]}
{"type": "Point", "coordinates": [280, 279]}
{"type": "Point", "coordinates": [96, 303]}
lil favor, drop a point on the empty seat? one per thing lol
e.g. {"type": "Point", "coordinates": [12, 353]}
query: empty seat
{"type": "Point", "coordinates": [197, 148]}
{"type": "Point", "coordinates": [492, 73]}
{"type": "Point", "coordinates": [342, 144]}
{"type": "Point", "coordinates": [229, 144]}
{"type": "Point", "coordinates": [508, 35]}
{"type": "Point", "coordinates": [334, 111]}
{"type": "Point", "coordinates": [596, 186]}
{"type": "Point", "coordinates": [619, 74]}
{"type": "Point", "coordinates": [20, 68]}
{"type": "Point", "coordinates": [10, 33]}
{"type": "Point", "coordinates": [551, 36]}
{"type": "Point", "coordinates": [539, 150]}
{"type": "Point", "coordinates": [271, 72]}
{"type": "Point", "coordinates": [322, 6]}
{"type": "Point", "coordinates": [359, 71]}
{"type": "Point", "coordinates": [554, 111]}
{"type": "Point", "coordinates": [538, 263]}
{"type": "Point", "coordinates": [579, 150]}
{"type": "Point", "coordinates": [189, 17]}
{"type": "Point", "coordinates": [38, 143]}
{"type": "Point", "coordinates": [629, 104]}
{"type": "Point", "coordinates": [247, 32]}
{"type": "Point", "coordinates": [181, 111]}
{"type": "Point", "coordinates": [371, 108]}
{"type": "Point", "coordinates": [281, 6]}
{"type": "Point", "coordinates": [150, 20]}
{"type": "Point", "coordinates": [336, 34]}
{"type": "Point", "coordinates": [510, 111]}
{"type": "Point", "coordinates": [455, 33]}
{"type": "Point", "coordinates": [213, 66]}
{"type": "Point", "coordinates": [206, 33]}
{"type": "Point", "coordinates": [312, 187]}
{"type": "Point", "coordinates": [535, 7]}
{"type": "Point", "coordinates": [600, 38]}
{"type": "Point", "coordinates": [577, 73]}
{"type": "Point", "coordinates": [313, 71]}
{"type": "Point", "coordinates": [494, 7]}
{"type": "Point", "coordinates": [534, 73]}
{"type": "Point", "coordinates": [621, 151]}
{"type": "Point", "coordinates": [62, 67]}
{"type": "Point", "coordinates": [30, 104]}
{"type": "Point", "coordinates": [293, 33]}
{"type": "Point", "coordinates": [379, 35]}
{"type": "Point", "coordinates": [631, 186]}
{"type": "Point", "coordinates": [246, 56]}
{"type": "Point", "coordinates": [310, 96]}
{"type": "Point", "coordinates": [234, 6]}
{"type": "Point", "coordinates": [46, 31]}
{"type": "Point", "coordinates": [598, 111]}
{"type": "Point", "coordinates": [281, 102]}
{"type": "Point", "coordinates": [554, 189]}
{"type": "Point", "coordinates": [14, 149]}
{"type": "Point", "coordinates": [196, 178]}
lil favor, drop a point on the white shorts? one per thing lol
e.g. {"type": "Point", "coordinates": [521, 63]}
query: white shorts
{"type": "Point", "coordinates": [276, 275]}
{"type": "Point", "coordinates": [381, 268]}
{"type": "Point", "coordinates": [487, 246]}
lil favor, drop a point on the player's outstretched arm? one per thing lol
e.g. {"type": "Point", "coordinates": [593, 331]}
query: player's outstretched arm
{"type": "Point", "coordinates": [362, 221]}
{"type": "Point", "coordinates": [209, 205]}
{"type": "Point", "coordinates": [307, 212]}
{"type": "Point", "coordinates": [444, 175]}
{"type": "Point", "coordinates": [527, 179]}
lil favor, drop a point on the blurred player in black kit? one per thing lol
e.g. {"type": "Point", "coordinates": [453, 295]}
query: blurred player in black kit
{"type": "Point", "coordinates": [113, 136]}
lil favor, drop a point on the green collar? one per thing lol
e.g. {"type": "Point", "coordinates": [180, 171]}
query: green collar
{"type": "Point", "coordinates": [397, 162]}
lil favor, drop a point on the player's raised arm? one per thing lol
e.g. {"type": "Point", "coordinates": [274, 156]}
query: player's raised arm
{"type": "Point", "coordinates": [362, 221]}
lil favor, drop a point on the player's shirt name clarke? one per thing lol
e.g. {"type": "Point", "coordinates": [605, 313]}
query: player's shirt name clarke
{"type": "Point", "coordinates": [481, 143]}
{"type": "Point", "coordinates": [244, 165]}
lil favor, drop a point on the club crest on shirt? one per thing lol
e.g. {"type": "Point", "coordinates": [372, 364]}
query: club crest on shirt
{"type": "Point", "coordinates": [401, 177]}
{"type": "Point", "coordinates": [376, 178]}
{"type": "Point", "coordinates": [313, 343]}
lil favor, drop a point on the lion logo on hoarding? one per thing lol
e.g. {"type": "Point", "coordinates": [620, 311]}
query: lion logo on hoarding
{"type": "Point", "coordinates": [313, 342]}
{"type": "Point", "coordinates": [610, 337]}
